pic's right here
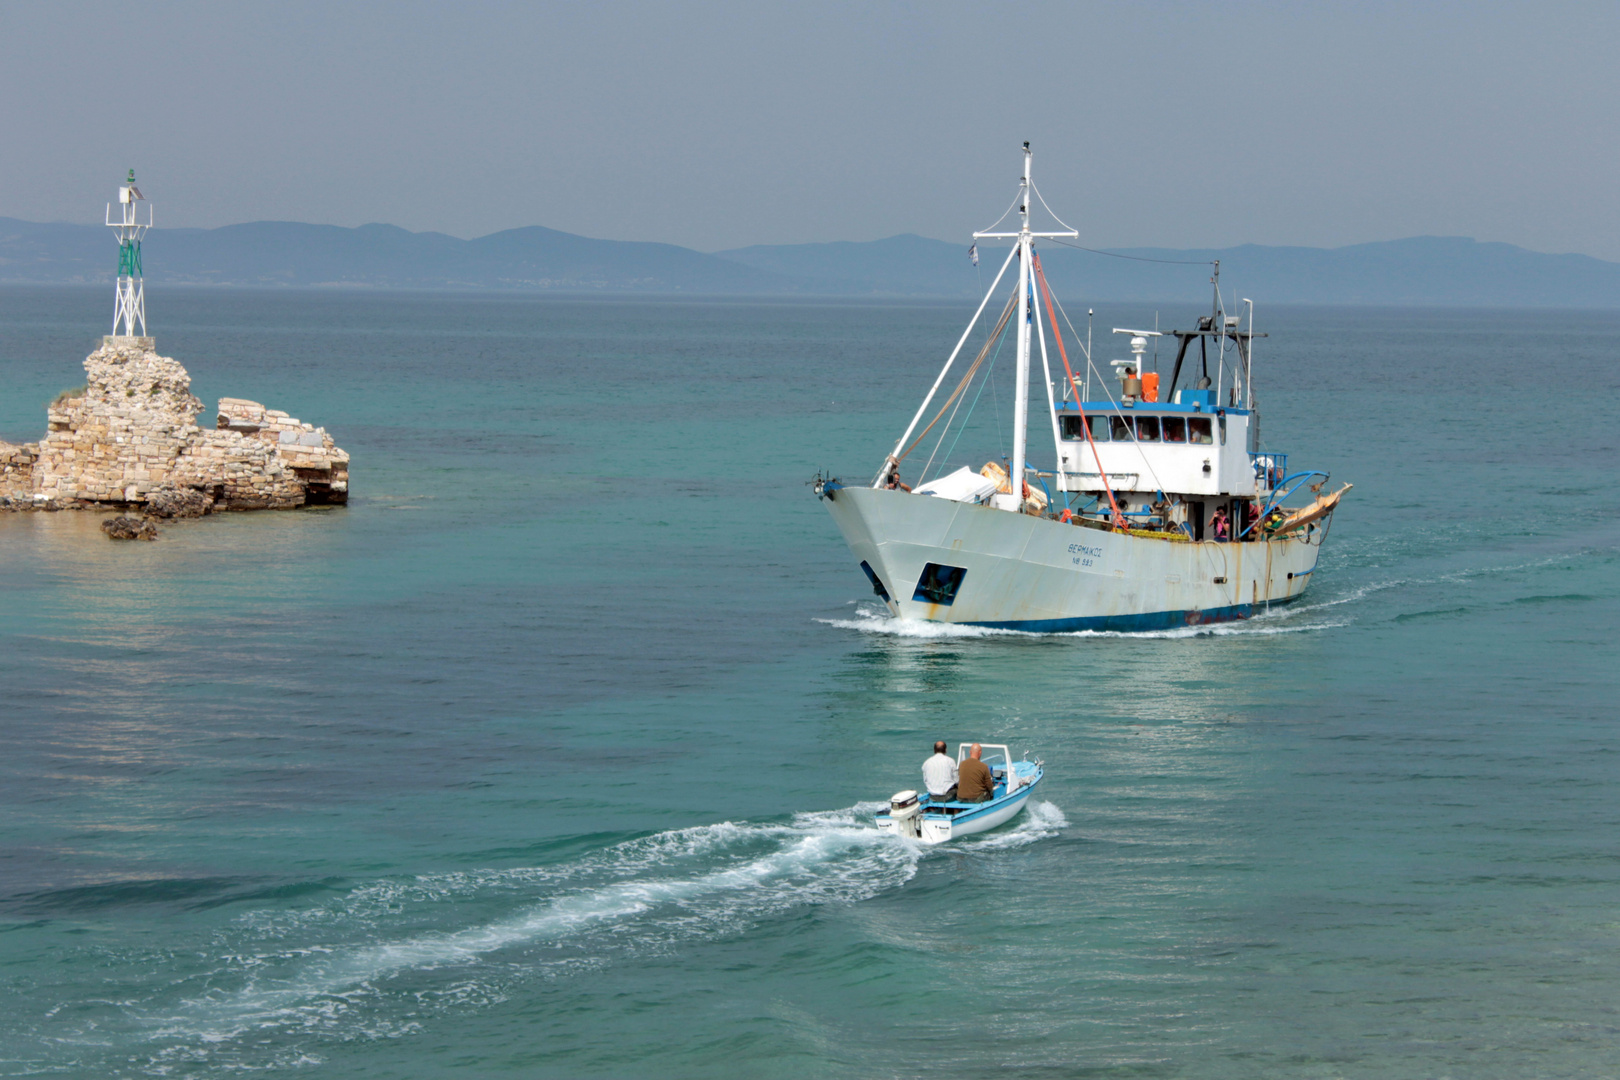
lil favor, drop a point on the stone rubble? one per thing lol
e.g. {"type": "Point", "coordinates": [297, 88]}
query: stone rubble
{"type": "Point", "coordinates": [129, 528]}
{"type": "Point", "coordinates": [131, 440]}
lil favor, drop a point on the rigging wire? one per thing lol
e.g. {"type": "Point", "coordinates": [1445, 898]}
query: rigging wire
{"type": "Point", "coordinates": [922, 474]}
{"type": "Point", "coordinates": [1001, 434]}
{"type": "Point", "coordinates": [1089, 365]}
{"type": "Point", "coordinates": [989, 373]}
{"type": "Point", "coordinates": [1085, 424]}
{"type": "Point", "coordinates": [1049, 210]}
{"type": "Point", "coordinates": [1005, 212]}
{"type": "Point", "coordinates": [1046, 288]}
{"type": "Point", "coordinates": [967, 377]}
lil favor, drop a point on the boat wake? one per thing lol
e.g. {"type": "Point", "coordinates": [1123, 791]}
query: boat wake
{"type": "Point", "coordinates": [1038, 821]}
{"type": "Point", "coordinates": [869, 620]}
{"type": "Point", "coordinates": [328, 970]}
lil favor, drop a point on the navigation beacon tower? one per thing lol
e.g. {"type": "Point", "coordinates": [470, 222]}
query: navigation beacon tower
{"type": "Point", "coordinates": [130, 310]}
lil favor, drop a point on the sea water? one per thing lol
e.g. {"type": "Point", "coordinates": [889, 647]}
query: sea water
{"type": "Point", "coordinates": [553, 754]}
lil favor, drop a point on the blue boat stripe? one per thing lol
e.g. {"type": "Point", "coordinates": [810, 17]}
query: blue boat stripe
{"type": "Point", "coordinates": [1001, 804]}
{"type": "Point", "coordinates": [1152, 620]}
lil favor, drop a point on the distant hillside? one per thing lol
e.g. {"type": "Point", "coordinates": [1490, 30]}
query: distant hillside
{"type": "Point", "coordinates": [906, 265]}
{"type": "Point", "coordinates": [1425, 270]}
{"type": "Point", "coordinates": [376, 256]}
{"type": "Point", "coordinates": [1442, 271]}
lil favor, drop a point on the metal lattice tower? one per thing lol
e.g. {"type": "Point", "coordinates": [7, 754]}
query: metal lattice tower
{"type": "Point", "coordinates": [130, 310]}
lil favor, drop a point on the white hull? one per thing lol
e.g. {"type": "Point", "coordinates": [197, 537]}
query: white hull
{"type": "Point", "coordinates": [964, 825]}
{"type": "Point", "coordinates": [1030, 573]}
{"type": "Point", "coordinates": [934, 827]}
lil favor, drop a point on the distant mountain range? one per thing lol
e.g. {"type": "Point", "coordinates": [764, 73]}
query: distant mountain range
{"type": "Point", "coordinates": [1445, 271]}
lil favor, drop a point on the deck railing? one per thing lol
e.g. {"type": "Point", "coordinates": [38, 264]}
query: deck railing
{"type": "Point", "coordinates": [1269, 470]}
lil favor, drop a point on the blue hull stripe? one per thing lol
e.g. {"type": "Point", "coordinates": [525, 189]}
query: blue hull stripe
{"type": "Point", "coordinates": [1153, 620]}
{"type": "Point", "coordinates": [1000, 804]}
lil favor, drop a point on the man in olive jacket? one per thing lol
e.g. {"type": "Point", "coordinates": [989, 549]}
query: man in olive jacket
{"type": "Point", "coordinates": [973, 780]}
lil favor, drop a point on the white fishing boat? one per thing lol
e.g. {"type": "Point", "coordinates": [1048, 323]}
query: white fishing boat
{"type": "Point", "coordinates": [1160, 509]}
{"type": "Point", "coordinates": [929, 820]}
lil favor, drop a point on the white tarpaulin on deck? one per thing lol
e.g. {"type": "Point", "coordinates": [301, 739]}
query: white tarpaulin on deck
{"type": "Point", "coordinates": [963, 485]}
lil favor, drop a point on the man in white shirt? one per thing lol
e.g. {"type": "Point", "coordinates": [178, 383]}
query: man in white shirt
{"type": "Point", "coordinates": [939, 775]}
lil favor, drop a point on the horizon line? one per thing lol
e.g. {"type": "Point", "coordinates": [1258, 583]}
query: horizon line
{"type": "Point", "coordinates": [720, 252]}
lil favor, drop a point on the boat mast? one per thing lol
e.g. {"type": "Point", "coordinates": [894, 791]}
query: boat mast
{"type": "Point", "coordinates": [1015, 473]}
{"type": "Point", "coordinates": [1025, 248]}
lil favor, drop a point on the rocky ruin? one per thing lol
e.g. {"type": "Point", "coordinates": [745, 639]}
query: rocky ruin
{"type": "Point", "coordinates": [129, 528]}
{"type": "Point", "coordinates": [130, 441]}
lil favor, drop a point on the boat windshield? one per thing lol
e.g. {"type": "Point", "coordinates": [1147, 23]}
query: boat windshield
{"type": "Point", "coordinates": [989, 753]}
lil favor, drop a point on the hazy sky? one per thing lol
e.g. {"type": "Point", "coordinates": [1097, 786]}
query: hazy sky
{"type": "Point", "coordinates": [716, 125]}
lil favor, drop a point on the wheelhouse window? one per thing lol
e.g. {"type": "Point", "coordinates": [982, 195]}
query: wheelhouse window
{"type": "Point", "coordinates": [1175, 429]}
{"type": "Point", "coordinates": [1147, 428]}
{"type": "Point", "coordinates": [1119, 428]}
{"type": "Point", "coordinates": [1074, 427]}
{"type": "Point", "coordinates": [1199, 430]}
{"type": "Point", "coordinates": [1222, 424]}
{"type": "Point", "coordinates": [1099, 428]}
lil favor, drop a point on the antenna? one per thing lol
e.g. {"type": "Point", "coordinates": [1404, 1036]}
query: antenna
{"type": "Point", "coordinates": [1091, 314]}
{"type": "Point", "coordinates": [1248, 360]}
{"type": "Point", "coordinates": [129, 311]}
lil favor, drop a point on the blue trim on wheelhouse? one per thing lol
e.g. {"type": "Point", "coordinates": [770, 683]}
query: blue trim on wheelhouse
{"type": "Point", "coordinates": [1152, 407]}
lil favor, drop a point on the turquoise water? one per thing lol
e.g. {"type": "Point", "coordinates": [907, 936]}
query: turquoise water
{"type": "Point", "coordinates": [549, 756]}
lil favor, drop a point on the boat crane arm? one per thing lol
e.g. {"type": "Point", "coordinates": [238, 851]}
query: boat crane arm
{"type": "Point", "coordinates": [1184, 338]}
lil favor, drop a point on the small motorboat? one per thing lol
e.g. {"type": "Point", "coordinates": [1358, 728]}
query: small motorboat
{"type": "Point", "coordinates": [928, 820]}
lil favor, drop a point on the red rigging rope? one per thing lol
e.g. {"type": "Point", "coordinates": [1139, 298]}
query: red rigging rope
{"type": "Point", "coordinates": [1085, 425]}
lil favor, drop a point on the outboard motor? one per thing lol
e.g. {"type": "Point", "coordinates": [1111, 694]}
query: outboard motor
{"type": "Point", "coordinates": [906, 814]}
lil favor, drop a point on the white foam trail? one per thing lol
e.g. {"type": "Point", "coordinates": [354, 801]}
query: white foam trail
{"type": "Point", "coordinates": [1038, 821]}
{"type": "Point", "coordinates": [640, 896]}
{"type": "Point", "coordinates": [821, 857]}
{"type": "Point", "coordinates": [871, 623]}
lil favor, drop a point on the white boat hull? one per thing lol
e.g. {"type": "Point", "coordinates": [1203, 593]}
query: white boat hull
{"type": "Point", "coordinates": [937, 830]}
{"type": "Point", "coordinates": [936, 827]}
{"type": "Point", "coordinates": [1029, 573]}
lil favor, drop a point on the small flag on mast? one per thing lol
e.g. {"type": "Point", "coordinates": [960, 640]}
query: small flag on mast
{"type": "Point", "coordinates": [973, 253]}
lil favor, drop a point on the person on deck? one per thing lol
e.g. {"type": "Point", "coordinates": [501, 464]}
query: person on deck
{"type": "Point", "coordinates": [939, 775]}
{"type": "Point", "coordinates": [896, 483]}
{"type": "Point", "coordinates": [1221, 524]}
{"type": "Point", "coordinates": [974, 782]}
